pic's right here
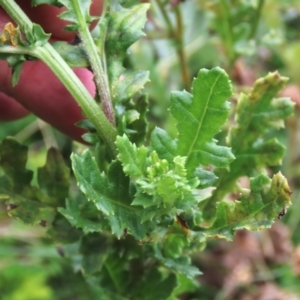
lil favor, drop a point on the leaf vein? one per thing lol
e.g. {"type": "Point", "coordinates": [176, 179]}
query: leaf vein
{"type": "Point", "coordinates": [202, 117]}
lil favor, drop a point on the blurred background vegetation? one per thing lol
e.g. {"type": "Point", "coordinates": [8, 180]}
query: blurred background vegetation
{"type": "Point", "coordinates": [248, 38]}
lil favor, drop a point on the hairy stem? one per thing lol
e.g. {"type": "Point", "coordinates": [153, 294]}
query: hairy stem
{"type": "Point", "coordinates": [96, 64]}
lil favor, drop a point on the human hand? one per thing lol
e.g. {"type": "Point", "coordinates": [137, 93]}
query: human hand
{"type": "Point", "coordinates": [38, 90]}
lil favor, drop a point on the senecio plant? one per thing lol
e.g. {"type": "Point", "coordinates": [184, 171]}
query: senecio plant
{"type": "Point", "coordinates": [146, 200]}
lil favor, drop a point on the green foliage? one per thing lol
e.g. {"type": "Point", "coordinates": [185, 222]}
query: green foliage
{"type": "Point", "coordinates": [74, 55]}
{"type": "Point", "coordinates": [12, 36]}
{"type": "Point", "coordinates": [27, 202]}
{"type": "Point", "coordinates": [110, 194]}
{"type": "Point", "coordinates": [254, 209]}
{"type": "Point", "coordinates": [149, 199]}
{"type": "Point", "coordinates": [49, 2]}
{"type": "Point", "coordinates": [258, 115]}
{"type": "Point", "coordinates": [199, 118]}
{"type": "Point", "coordinates": [76, 13]}
{"type": "Point", "coordinates": [123, 28]}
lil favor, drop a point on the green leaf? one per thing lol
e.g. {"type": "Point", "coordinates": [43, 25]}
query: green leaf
{"type": "Point", "coordinates": [124, 27]}
{"type": "Point", "coordinates": [32, 204]}
{"type": "Point", "coordinates": [114, 276]}
{"type": "Point", "coordinates": [54, 177]}
{"type": "Point", "coordinates": [29, 211]}
{"type": "Point", "coordinates": [36, 35]}
{"type": "Point", "coordinates": [62, 232]}
{"type": "Point", "coordinates": [181, 265]}
{"type": "Point", "coordinates": [206, 178]}
{"type": "Point", "coordinates": [95, 250]}
{"type": "Point", "coordinates": [13, 159]}
{"type": "Point", "coordinates": [74, 55]}
{"type": "Point", "coordinates": [49, 2]}
{"type": "Point", "coordinates": [154, 286]}
{"type": "Point", "coordinates": [174, 244]}
{"type": "Point", "coordinates": [167, 182]}
{"type": "Point", "coordinates": [263, 153]}
{"type": "Point", "coordinates": [110, 194]}
{"type": "Point", "coordinates": [211, 153]}
{"type": "Point", "coordinates": [132, 158]}
{"type": "Point", "coordinates": [254, 210]}
{"type": "Point", "coordinates": [258, 115]}
{"type": "Point", "coordinates": [184, 285]}
{"type": "Point", "coordinates": [199, 117]}
{"type": "Point", "coordinates": [16, 73]}
{"type": "Point", "coordinates": [128, 85]}
{"type": "Point", "coordinates": [76, 9]}
{"type": "Point", "coordinates": [84, 214]}
{"type": "Point", "coordinates": [164, 145]}
{"type": "Point", "coordinates": [132, 118]}
{"type": "Point", "coordinates": [259, 111]}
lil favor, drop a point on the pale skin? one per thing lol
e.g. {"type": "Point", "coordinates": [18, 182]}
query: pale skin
{"type": "Point", "coordinates": [38, 90]}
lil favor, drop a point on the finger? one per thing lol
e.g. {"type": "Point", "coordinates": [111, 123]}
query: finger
{"type": "Point", "coordinates": [11, 110]}
{"type": "Point", "coordinates": [39, 91]}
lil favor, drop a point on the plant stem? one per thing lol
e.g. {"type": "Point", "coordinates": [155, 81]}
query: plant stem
{"type": "Point", "coordinates": [65, 74]}
{"type": "Point", "coordinates": [257, 18]}
{"type": "Point", "coordinates": [180, 51]}
{"type": "Point", "coordinates": [96, 64]}
{"type": "Point", "coordinates": [178, 38]}
{"type": "Point", "coordinates": [166, 18]}
{"type": "Point", "coordinates": [227, 33]}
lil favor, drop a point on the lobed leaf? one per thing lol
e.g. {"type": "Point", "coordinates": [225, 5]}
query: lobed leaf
{"type": "Point", "coordinates": [36, 35]}
{"type": "Point", "coordinates": [54, 177]}
{"type": "Point", "coordinates": [132, 158]}
{"type": "Point", "coordinates": [110, 194]}
{"type": "Point", "coordinates": [259, 111]}
{"type": "Point", "coordinates": [73, 213]}
{"type": "Point", "coordinates": [258, 114]}
{"type": "Point", "coordinates": [124, 27]}
{"type": "Point", "coordinates": [73, 9]}
{"type": "Point", "coordinates": [128, 85]}
{"type": "Point", "coordinates": [74, 55]}
{"type": "Point", "coordinates": [165, 182]}
{"type": "Point", "coordinates": [13, 159]}
{"type": "Point", "coordinates": [31, 204]}
{"type": "Point", "coordinates": [139, 127]}
{"type": "Point", "coordinates": [199, 117]}
{"type": "Point", "coordinates": [254, 210]}
{"type": "Point", "coordinates": [154, 285]}
{"type": "Point", "coordinates": [164, 145]}
{"type": "Point", "coordinates": [181, 265]}
{"type": "Point", "coordinates": [206, 178]}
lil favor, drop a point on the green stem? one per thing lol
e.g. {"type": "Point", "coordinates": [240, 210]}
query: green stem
{"type": "Point", "coordinates": [225, 185]}
{"type": "Point", "coordinates": [257, 18]}
{"type": "Point", "coordinates": [180, 51]}
{"type": "Point", "coordinates": [96, 64]}
{"type": "Point", "coordinates": [166, 18]}
{"type": "Point", "coordinates": [65, 74]}
{"type": "Point", "coordinates": [227, 33]}
{"type": "Point", "coordinates": [177, 35]}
